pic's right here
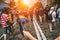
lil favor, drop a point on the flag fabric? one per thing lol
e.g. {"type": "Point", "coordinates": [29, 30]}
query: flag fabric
{"type": "Point", "coordinates": [10, 17]}
{"type": "Point", "coordinates": [22, 18]}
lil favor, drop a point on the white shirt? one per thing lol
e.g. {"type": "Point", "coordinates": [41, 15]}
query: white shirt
{"type": "Point", "coordinates": [53, 15]}
{"type": "Point", "coordinates": [58, 12]}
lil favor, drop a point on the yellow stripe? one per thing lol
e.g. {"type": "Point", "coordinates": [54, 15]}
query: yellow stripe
{"type": "Point", "coordinates": [22, 16]}
{"type": "Point", "coordinates": [10, 17]}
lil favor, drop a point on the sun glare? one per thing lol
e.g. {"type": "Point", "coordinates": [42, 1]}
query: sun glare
{"type": "Point", "coordinates": [29, 3]}
{"type": "Point", "coordinates": [26, 2]}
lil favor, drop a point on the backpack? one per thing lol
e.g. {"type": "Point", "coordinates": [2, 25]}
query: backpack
{"type": "Point", "coordinates": [50, 16]}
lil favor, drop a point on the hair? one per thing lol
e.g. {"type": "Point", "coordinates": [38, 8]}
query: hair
{"type": "Point", "coordinates": [58, 6]}
{"type": "Point", "coordinates": [5, 10]}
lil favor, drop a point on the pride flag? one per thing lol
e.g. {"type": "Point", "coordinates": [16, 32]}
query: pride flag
{"type": "Point", "coordinates": [22, 18]}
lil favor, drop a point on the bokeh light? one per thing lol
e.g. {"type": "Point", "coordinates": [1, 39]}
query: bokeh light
{"type": "Point", "coordinates": [29, 3]}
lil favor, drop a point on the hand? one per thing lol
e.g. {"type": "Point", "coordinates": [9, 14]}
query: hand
{"type": "Point", "coordinates": [15, 23]}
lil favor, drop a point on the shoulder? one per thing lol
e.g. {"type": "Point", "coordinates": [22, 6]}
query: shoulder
{"type": "Point", "coordinates": [54, 12]}
{"type": "Point", "coordinates": [5, 15]}
{"type": "Point", "coordinates": [50, 11]}
{"type": "Point", "coordinates": [58, 9]}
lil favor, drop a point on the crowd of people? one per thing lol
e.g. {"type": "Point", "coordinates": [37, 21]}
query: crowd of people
{"type": "Point", "coordinates": [52, 15]}
{"type": "Point", "coordinates": [7, 23]}
{"type": "Point", "coordinates": [7, 16]}
{"type": "Point", "coordinates": [49, 15]}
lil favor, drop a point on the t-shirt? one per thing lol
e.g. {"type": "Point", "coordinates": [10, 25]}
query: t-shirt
{"type": "Point", "coordinates": [58, 12]}
{"type": "Point", "coordinates": [53, 13]}
{"type": "Point", "coordinates": [4, 17]}
{"type": "Point", "coordinates": [53, 16]}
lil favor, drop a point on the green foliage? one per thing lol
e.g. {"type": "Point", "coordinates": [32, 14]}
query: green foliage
{"type": "Point", "coordinates": [56, 2]}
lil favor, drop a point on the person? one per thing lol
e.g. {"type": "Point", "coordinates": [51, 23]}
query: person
{"type": "Point", "coordinates": [10, 21]}
{"type": "Point", "coordinates": [4, 17]}
{"type": "Point", "coordinates": [46, 10]}
{"type": "Point", "coordinates": [10, 14]}
{"type": "Point", "coordinates": [0, 18]}
{"type": "Point", "coordinates": [51, 18]}
{"type": "Point", "coordinates": [22, 20]}
{"type": "Point", "coordinates": [5, 22]}
{"type": "Point", "coordinates": [58, 12]}
{"type": "Point", "coordinates": [41, 13]}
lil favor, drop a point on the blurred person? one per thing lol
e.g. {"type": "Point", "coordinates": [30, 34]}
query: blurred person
{"type": "Point", "coordinates": [10, 21]}
{"type": "Point", "coordinates": [10, 14]}
{"type": "Point", "coordinates": [0, 17]}
{"type": "Point", "coordinates": [46, 10]}
{"type": "Point", "coordinates": [4, 17]}
{"type": "Point", "coordinates": [58, 12]}
{"type": "Point", "coordinates": [51, 17]}
{"type": "Point", "coordinates": [41, 13]}
{"type": "Point", "coordinates": [5, 22]}
{"type": "Point", "coordinates": [38, 12]}
{"type": "Point", "coordinates": [22, 20]}
{"type": "Point", "coordinates": [31, 14]}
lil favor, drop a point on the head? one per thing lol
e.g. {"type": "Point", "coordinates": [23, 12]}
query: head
{"type": "Point", "coordinates": [58, 6]}
{"type": "Point", "coordinates": [52, 8]}
{"type": "Point", "coordinates": [5, 10]}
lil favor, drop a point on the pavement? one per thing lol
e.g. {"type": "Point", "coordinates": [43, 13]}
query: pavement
{"type": "Point", "coordinates": [30, 27]}
{"type": "Point", "coordinates": [17, 35]}
{"type": "Point", "coordinates": [45, 28]}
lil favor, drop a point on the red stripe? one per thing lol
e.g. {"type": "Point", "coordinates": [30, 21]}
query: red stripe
{"type": "Point", "coordinates": [3, 19]}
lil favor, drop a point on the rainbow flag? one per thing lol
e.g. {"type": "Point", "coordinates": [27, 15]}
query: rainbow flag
{"type": "Point", "coordinates": [22, 18]}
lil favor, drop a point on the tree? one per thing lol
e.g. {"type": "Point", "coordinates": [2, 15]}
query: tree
{"type": "Point", "coordinates": [1, 1]}
{"type": "Point", "coordinates": [38, 4]}
{"type": "Point", "coordinates": [12, 3]}
{"type": "Point", "coordinates": [56, 2]}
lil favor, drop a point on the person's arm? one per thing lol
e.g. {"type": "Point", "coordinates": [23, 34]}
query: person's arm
{"type": "Point", "coordinates": [57, 11]}
{"type": "Point", "coordinates": [54, 13]}
{"type": "Point", "coordinates": [16, 22]}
